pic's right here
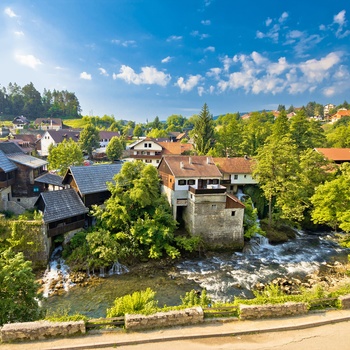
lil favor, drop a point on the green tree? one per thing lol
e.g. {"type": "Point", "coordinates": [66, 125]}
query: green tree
{"type": "Point", "coordinates": [18, 289]}
{"type": "Point", "coordinates": [138, 132]}
{"type": "Point", "coordinates": [32, 108]}
{"type": "Point", "coordinates": [89, 139]}
{"type": "Point", "coordinates": [137, 214]}
{"type": "Point", "coordinates": [114, 149]}
{"type": "Point", "coordinates": [203, 131]}
{"type": "Point", "coordinates": [157, 133]}
{"type": "Point", "coordinates": [276, 169]}
{"type": "Point", "coordinates": [331, 201]}
{"type": "Point", "coordinates": [64, 155]}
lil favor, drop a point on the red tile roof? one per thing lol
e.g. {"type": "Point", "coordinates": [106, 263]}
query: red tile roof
{"type": "Point", "coordinates": [192, 166]}
{"type": "Point", "coordinates": [175, 147]}
{"type": "Point", "coordinates": [335, 154]}
{"type": "Point", "coordinates": [236, 165]}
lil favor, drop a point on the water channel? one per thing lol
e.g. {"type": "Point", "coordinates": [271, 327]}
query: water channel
{"type": "Point", "coordinates": [222, 275]}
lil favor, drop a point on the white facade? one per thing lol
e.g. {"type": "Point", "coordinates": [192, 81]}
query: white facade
{"type": "Point", "coordinates": [147, 151]}
{"type": "Point", "coordinates": [45, 142]}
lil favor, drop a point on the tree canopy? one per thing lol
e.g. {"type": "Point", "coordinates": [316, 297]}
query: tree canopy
{"type": "Point", "coordinates": [64, 155]}
{"type": "Point", "coordinates": [89, 139]}
{"type": "Point", "coordinates": [114, 149]}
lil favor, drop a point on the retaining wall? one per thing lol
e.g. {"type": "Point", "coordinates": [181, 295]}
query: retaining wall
{"type": "Point", "coordinates": [272, 310]}
{"type": "Point", "coordinates": [165, 319]}
{"type": "Point", "coordinates": [344, 301]}
{"type": "Point", "coordinates": [40, 330]}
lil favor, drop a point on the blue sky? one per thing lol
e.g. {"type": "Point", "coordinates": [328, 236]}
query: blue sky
{"type": "Point", "coordinates": [138, 59]}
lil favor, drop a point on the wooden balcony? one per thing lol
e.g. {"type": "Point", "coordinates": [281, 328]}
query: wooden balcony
{"type": "Point", "coordinates": [209, 189]}
{"type": "Point", "coordinates": [64, 228]}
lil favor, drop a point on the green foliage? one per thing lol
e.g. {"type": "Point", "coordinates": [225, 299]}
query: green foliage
{"type": "Point", "coordinates": [62, 315]}
{"type": "Point", "coordinates": [189, 244]}
{"type": "Point", "coordinates": [250, 220]}
{"type": "Point", "coordinates": [140, 302]}
{"type": "Point", "coordinates": [89, 139]}
{"type": "Point", "coordinates": [64, 155]}
{"type": "Point", "coordinates": [157, 133]}
{"type": "Point", "coordinates": [331, 201]}
{"type": "Point", "coordinates": [18, 289]}
{"type": "Point", "coordinates": [114, 149]}
{"type": "Point", "coordinates": [203, 131]}
{"type": "Point", "coordinates": [196, 298]}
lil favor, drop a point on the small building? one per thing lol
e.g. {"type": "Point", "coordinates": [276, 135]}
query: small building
{"type": "Point", "coordinates": [236, 172]}
{"type": "Point", "coordinates": [105, 137]}
{"type": "Point", "coordinates": [63, 212]}
{"type": "Point", "coordinates": [90, 182]}
{"type": "Point", "coordinates": [20, 122]}
{"type": "Point", "coordinates": [4, 131]}
{"type": "Point", "coordinates": [48, 123]}
{"type": "Point", "coordinates": [341, 113]}
{"type": "Point", "coordinates": [192, 186]}
{"type": "Point", "coordinates": [52, 182]}
{"type": "Point", "coordinates": [55, 137]}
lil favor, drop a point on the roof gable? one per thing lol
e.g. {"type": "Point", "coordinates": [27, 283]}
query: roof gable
{"type": "Point", "coordinates": [9, 147]}
{"type": "Point", "coordinates": [92, 178]}
{"type": "Point", "coordinates": [59, 205]}
{"type": "Point", "coordinates": [236, 165]}
{"type": "Point", "coordinates": [59, 135]}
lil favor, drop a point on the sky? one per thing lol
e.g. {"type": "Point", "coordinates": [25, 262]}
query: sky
{"type": "Point", "coordinates": [138, 59]}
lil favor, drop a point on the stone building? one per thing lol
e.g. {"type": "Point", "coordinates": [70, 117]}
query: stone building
{"type": "Point", "coordinates": [192, 186]}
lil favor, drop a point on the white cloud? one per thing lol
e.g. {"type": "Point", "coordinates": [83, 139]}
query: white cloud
{"type": "Point", "coordinates": [214, 73]}
{"type": "Point", "coordinates": [28, 60]}
{"type": "Point", "coordinates": [192, 81]}
{"type": "Point", "coordinates": [9, 12]}
{"type": "Point", "coordinates": [174, 38]}
{"type": "Point", "coordinates": [329, 91]}
{"type": "Point", "coordinates": [340, 20]}
{"type": "Point", "coordinates": [272, 34]}
{"type": "Point", "coordinates": [268, 21]}
{"type": "Point", "coordinates": [279, 67]}
{"type": "Point", "coordinates": [206, 22]}
{"type": "Point", "coordinates": [124, 43]}
{"type": "Point", "coordinates": [196, 34]}
{"type": "Point", "coordinates": [166, 59]}
{"type": "Point", "coordinates": [85, 76]}
{"type": "Point", "coordinates": [200, 90]}
{"type": "Point", "coordinates": [283, 17]}
{"type": "Point", "coordinates": [19, 33]}
{"type": "Point", "coordinates": [317, 70]}
{"type": "Point", "coordinates": [103, 72]}
{"type": "Point", "coordinates": [257, 58]}
{"type": "Point", "coordinates": [210, 48]}
{"type": "Point", "coordinates": [148, 75]}
{"type": "Point", "coordinates": [211, 89]}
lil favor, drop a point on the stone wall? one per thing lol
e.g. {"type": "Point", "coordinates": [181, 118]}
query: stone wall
{"type": "Point", "coordinates": [272, 310]}
{"type": "Point", "coordinates": [165, 319]}
{"type": "Point", "coordinates": [344, 301]}
{"type": "Point", "coordinates": [40, 330]}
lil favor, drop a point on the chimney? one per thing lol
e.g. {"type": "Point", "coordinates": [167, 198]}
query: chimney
{"type": "Point", "coordinates": [181, 165]}
{"type": "Point", "coordinates": [208, 160]}
{"type": "Point", "coordinates": [190, 160]}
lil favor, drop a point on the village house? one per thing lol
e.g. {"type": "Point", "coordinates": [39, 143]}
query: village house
{"type": "Point", "coordinates": [151, 151]}
{"type": "Point", "coordinates": [339, 115]}
{"type": "Point", "coordinates": [105, 137]}
{"type": "Point", "coordinates": [63, 212]}
{"type": "Point", "coordinates": [192, 187]}
{"type": "Point", "coordinates": [52, 182]}
{"type": "Point", "coordinates": [55, 137]}
{"type": "Point", "coordinates": [90, 182]}
{"type": "Point", "coordinates": [236, 172]}
{"type": "Point", "coordinates": [24, 190]}
{"type": "Point", "coordinates": [20, 122]}
{"type": "Point", "coordinates": [327, 108]}
{"type": "Point", "coordinates": [48, 123]}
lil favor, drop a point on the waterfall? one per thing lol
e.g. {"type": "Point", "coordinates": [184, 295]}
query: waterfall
{"type": "Point", "coordinates": [256, 243]}
{"type": "Point", "coordinates": [56, 276]}
{"type": "Point", "coordinates": [118, 269]}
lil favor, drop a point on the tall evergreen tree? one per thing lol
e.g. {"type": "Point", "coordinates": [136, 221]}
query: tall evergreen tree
{"type": "Point", "coordinates": [89, 139]}
{"type": "Point", "coordinates": [203, 131]}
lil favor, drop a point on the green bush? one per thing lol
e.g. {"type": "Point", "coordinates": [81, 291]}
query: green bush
{"type": "Point", "coordinates": [140, 302]}
{"type": "Point", "coordinates": [194, 298]}
{"type": "Point", "coordinates": [62, 315]}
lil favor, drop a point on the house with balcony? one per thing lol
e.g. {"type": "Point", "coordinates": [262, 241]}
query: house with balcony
{"type": "Point", "coordinates": [63, 212]}
{"type": "Point", "coordinates": [236, 172]}
{"type": "Point", "coordinates": [192, 187]}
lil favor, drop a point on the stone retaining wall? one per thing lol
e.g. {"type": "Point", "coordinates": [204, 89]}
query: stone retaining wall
{"type": "Point", "coordinates": [165, 319]}
{"type": "Point", "coordinates": [344, 301]}
{"type": "Point", "coordinates": [40, 330]}
{"type": "Point", "coordinates": [272, 310]}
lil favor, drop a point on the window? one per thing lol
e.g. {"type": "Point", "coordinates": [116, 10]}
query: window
{"type": "Point", "coordinates": [215, 181]}
{"type": "Point", "coordinates": [235, 177]}
{"type": "Point", "coordinates": [191, 182]}
{"type": "Point", "coordinates": [145, 145]}
{"type": "Point", "coordinates": [214, 206]}
{"type": "Point", "coordinates": [157, 160]}
{"type": "Point", "coordinates": [181, 182]}
{"type": "Point", "coordinates": [245, 176]}
{"type": "Point", "coordinates": [149, 145]}
{"type": "Point", "coordinates": [233, 213]}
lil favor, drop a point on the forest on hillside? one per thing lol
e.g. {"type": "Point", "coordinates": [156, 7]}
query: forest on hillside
{"type": "Point", "coordinates": [27, 100]}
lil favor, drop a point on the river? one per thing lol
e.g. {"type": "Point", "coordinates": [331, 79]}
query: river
{"type": "Point", "coordinates": [222, 275]}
